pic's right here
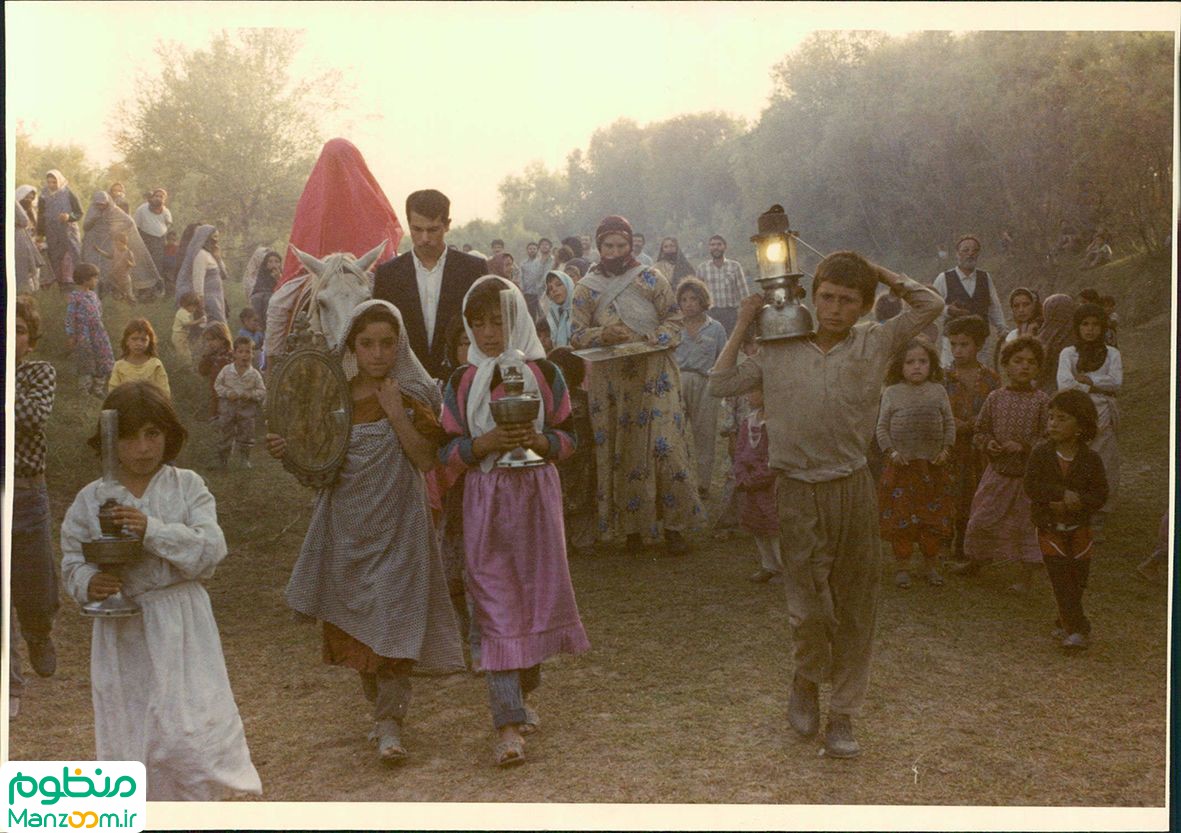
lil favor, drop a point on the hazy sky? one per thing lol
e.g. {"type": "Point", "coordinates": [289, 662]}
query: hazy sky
{"type": "Point", "coordinates": [457, 96]}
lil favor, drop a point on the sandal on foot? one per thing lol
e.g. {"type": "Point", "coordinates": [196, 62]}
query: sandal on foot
{"type": "Point", "coordinates": [508, 753]}
{"type": "Point", "coordinates": [934, 579]}
{"type": "Point", "coordinates": [532, 722]}
{"type": "Point", "coordinates": [902, 579]}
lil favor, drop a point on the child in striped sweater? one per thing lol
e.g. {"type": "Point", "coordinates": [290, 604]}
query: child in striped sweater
{"type": "Point", "coordinates": [916, 432]}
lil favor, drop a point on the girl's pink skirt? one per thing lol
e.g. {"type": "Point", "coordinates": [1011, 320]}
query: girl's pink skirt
{"type": "Point", "coordinates": [516, 571]}
{"type": "Point", "coordinates": [1000, 526]}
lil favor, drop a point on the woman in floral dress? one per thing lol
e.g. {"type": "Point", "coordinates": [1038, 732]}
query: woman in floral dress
{"type": "Point", "coordinates": [645, 478]}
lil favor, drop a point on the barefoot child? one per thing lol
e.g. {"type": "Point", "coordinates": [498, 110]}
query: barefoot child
{"type": "Point", "coordinates": [34, 583]}
{"type": "Point", "coordinates": [523, 601]}
{"type": "Point", "coordinates": [1093, 367]}
{"type": "Point", "coordinates": [1066, 485]}
{"type": "Point", "coordinates": [1011, 422]}
{"type": "Point", "coordinates": [240, 394]}
{"type": "Point", "coordinates": [369, 568]}
{"type": "Point", "coordinates": [754, 483]}
{"type": "Point", "coordinates": [187, 327]}
{"type": "Point", "coordinates": [916, 432]}
{"type": "Point", "coordinates": [158, 680]}
{"type": "Point", "coordinates": [139, 361]}
{"type": "Point", "coordinates": [968, 384]}
{"type": "Point", "coordinates": [122, 262]}
{"type": "Point", "coordinates": [85, 333]}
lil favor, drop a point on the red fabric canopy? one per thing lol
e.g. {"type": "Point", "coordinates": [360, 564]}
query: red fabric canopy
{"type": "Point", "coordinates": [342, 209]}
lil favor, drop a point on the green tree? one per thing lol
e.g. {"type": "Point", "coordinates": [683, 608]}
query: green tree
{"type": "Point", "coordinates": [32, 161]}
{"type": "Point", "coordinates": [229, 133]}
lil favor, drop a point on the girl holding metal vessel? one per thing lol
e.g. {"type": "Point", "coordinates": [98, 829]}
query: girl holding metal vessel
{"type": "Point", "coordinates": [507, 411]}
{"type": "Point", "coordinates": [369, 568]}
{"type": "Point", "coordinates": [157, 674]}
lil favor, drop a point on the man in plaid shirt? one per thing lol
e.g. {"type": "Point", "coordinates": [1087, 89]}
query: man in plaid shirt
{"type": "Point", "coordinates": [726, 282]}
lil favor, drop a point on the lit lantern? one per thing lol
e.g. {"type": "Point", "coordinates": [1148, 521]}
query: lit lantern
{"type": "Point", "coordinates": [784, 315]}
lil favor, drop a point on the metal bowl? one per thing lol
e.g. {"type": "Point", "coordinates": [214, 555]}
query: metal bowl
{"type": "Point", "coordinates": [113, 552]}
{"type": "Point", "coordinates": [513, 410]}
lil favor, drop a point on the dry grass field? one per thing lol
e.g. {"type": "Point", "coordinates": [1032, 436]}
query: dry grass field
{"type": "Point", "coordinates": [682, 697]}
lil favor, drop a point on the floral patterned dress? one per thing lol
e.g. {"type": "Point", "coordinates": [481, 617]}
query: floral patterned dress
{"type": "Point", "coordinates": [84, 323]}
{"type": "Point", "coordinates": [645, 477]}
{"type": "Point", "coordinates": [1000, 525]}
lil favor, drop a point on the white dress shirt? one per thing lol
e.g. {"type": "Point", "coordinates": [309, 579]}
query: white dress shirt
{"type": "Point", "coordinates": [430, 282]}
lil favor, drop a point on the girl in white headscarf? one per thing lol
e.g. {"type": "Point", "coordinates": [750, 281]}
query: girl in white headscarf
{"type": "Point", "coordinates": [369, 567]}
{"type": "Point", "coordinates": [515, 554]}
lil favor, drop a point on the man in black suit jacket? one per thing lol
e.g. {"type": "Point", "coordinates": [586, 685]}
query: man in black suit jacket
{"type": "Point", "coordinates": [427, 284]}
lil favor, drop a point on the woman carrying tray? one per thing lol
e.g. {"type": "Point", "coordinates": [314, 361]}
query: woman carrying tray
{"type": "Point", "coordinates": [646, 481]}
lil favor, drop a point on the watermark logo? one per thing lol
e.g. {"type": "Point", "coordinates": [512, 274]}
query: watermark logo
{"type": "Point", "coordinates": [95, 795]}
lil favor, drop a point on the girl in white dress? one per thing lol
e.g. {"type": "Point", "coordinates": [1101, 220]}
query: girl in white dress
{"type": "Point", "coordinates": [158, 680]}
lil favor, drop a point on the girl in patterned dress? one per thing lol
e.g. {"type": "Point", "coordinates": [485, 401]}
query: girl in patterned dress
{"type": "Point", "coordinates": [516, 571]}
{"type": "Point", "coordinates": [754, 483]}
{"type": "Point", "coordinates": [646, 480]}
{"type": "Point", "coordinates": [85, 333]}
{"type": "Point", "coordinates": [968, 384]}
{"type": "Point", "coordinates": [916, 432]}
{"type": "Point", "coordinates": [1011, 422]}
{"type": "Point", "coordinates": [369, 568]}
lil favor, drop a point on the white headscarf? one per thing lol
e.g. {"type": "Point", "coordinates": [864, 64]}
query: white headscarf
{"type": "Point", "coordinates": [412, 378]}
{"type": "Point", "coordinates": [524, 338]}
{"type": "Point", "coordinates": [61, 180]}
{"type": "Point", "coordinates": [23, 191]}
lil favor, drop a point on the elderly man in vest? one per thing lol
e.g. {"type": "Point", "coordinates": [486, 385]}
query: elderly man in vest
{"type": "Point", "coordinates": [967, 290]}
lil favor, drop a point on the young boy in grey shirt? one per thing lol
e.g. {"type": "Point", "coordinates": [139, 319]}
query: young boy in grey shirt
{"type": "Point", "coordinates": [822, 394]}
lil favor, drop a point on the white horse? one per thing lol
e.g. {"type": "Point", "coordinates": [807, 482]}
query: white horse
{"type": "Point", "coordinates": [328, 292]}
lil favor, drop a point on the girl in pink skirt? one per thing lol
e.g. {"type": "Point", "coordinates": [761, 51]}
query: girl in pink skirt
{"type": "Point", "coordinates": [517, 577]}
{"type": "Point", "coordinates": [1011, 422]}
{"type": "Point", "coordinates": [754, 481]}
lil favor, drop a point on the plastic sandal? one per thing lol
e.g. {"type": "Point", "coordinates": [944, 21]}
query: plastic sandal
{"type": "Point", "coordinates": [509, 752]}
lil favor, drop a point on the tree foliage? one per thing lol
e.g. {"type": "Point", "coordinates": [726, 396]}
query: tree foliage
{"type": "Point", "coordinates": [894, 146]}
{"type": "Point", "coordinates": [32, 161]}
{"type": "Point", "coordinates": [228, 132]}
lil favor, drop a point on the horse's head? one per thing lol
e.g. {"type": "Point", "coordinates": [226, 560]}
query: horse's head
{"type": "Point", "coordinates": [339, 283]}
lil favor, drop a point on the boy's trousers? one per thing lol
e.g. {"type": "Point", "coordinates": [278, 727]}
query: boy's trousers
{"type": "Point", "coordinates": [235, 419]}
{"type": "Point", "coordinates": [832, 571]}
